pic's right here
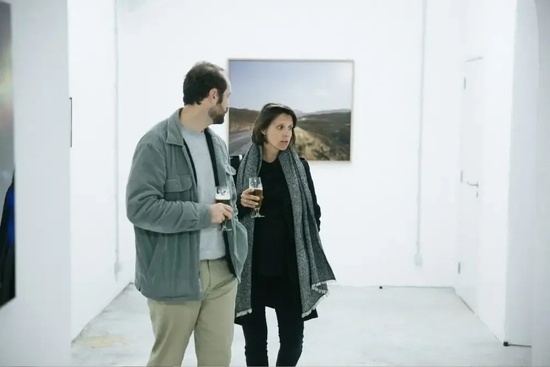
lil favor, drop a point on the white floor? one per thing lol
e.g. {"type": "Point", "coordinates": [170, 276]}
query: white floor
{"type": "Point", "coordinates": [356, 327]}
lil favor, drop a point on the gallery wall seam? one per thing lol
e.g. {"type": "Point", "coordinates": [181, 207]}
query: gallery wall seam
{"type": "Point", "coordinates": [418, 261]}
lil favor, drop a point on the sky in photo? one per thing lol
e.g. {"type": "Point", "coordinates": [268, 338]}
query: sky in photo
{"type": "Point", "coordinates": [306, 86]}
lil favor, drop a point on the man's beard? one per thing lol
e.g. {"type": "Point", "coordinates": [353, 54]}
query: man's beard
{"type": "Point", "coordinates": [217, 116]}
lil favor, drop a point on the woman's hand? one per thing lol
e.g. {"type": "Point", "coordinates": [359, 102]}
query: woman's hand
{"type": "Point", "coordinates": [248, 200]}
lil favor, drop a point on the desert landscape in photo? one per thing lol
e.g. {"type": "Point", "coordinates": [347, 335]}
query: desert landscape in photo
{"type": "Point", "coordinates": [320, 92]}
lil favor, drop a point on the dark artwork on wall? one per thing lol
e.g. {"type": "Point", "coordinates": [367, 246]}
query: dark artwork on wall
{"type": "Point", "coordinates": [7, 170]}
{"type": "Point", "coordinates": [319, 91]}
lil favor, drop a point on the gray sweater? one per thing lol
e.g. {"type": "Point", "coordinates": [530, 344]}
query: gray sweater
{"type": "Point", "coordinates": [211, 240]}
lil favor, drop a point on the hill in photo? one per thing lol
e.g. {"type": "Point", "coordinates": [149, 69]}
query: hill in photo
{"type": "Point", "coordinates": [320, 136]}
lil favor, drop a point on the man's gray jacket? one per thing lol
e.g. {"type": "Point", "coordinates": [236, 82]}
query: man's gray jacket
{"type": "Point", "coordinates": [161, 203]}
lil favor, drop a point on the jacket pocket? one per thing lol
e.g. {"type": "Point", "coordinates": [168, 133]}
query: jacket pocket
{"type": "Point", "coordinates": [178, 188]}
{"type": "Point", "coordinates": [173, 272]}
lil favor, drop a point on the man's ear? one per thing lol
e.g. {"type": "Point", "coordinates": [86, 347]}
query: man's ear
{"type": "Point", "coordinates": [213, 93]}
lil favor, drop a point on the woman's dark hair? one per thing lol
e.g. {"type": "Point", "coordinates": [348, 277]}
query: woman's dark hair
{"type": "Point", "coordinates": [269, 113]}
{"type": "Point", "coordinates": [198, 82]}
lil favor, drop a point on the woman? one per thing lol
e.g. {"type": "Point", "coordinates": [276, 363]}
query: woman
{"type": "Point", "coordinates": [286, 267]}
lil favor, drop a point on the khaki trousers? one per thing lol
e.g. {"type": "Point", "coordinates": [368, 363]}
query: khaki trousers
{"type": "Point", "coordinates": [211, 320]}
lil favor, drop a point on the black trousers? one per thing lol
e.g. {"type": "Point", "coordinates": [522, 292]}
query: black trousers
{"type": "Point", "coordinates": [284, 297]}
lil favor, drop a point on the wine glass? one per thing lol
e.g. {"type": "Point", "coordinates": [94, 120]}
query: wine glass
{"type": "Point", "coordinates": [255, 183]}
{"type": "Point", "coordinates": [223, 195]}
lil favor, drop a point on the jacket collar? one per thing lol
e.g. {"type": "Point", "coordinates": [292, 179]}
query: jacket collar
{"type": "Point", "coordinates": [174, 129]}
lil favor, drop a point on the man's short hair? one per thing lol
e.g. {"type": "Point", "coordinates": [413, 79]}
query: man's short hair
{"type": "Point", "coordinates": [200, 80]}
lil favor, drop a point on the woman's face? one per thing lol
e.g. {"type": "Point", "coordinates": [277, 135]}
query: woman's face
{"type": "Point", "coordinates": [279, 132]}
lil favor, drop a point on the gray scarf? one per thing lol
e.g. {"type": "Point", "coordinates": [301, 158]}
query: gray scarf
{"type": "Point", "coordinates": [314, 271]}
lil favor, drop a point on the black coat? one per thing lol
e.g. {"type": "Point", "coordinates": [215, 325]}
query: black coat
{"type": "Point", "coordinates": [291, 260]}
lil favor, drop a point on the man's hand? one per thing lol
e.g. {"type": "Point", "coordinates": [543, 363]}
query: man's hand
{"type": "Point", "coordinates": [220, 212]}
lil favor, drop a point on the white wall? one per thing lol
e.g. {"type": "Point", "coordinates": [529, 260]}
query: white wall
{"type": "Point", "coordinates": [541, 249]}
{"type": "Point", "coordinates": [96, 266]}
{"type": "Point", "coordinates": [440, 142]}
{"type": "Point", "coordinates": [488, 30]}
{"type": "Point", "coordinates": [35, 327]}
{"type": "Point", "coordinates": [510, 252]}
{"type": "Point", "coordinates": [499, 30]}
{"type": "Point", "coordinates": [372, 240]}
{"type": "Point", "coordinates": [522, 196]}
{"type": "Point", "coordinates": [473, 18]}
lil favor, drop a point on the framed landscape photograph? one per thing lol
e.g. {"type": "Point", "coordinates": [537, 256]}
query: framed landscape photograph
{"type": "Point", "coordinates": [7, 179]}
{"type": "Point", "coordinates": [319, 91]}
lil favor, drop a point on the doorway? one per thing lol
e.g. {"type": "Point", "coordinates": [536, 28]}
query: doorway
{"type": "Point", "coordinates": [471, 140]}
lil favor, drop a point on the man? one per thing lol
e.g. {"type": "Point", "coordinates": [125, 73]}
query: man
{"type": "Point", "coordinates": [185, 265]}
